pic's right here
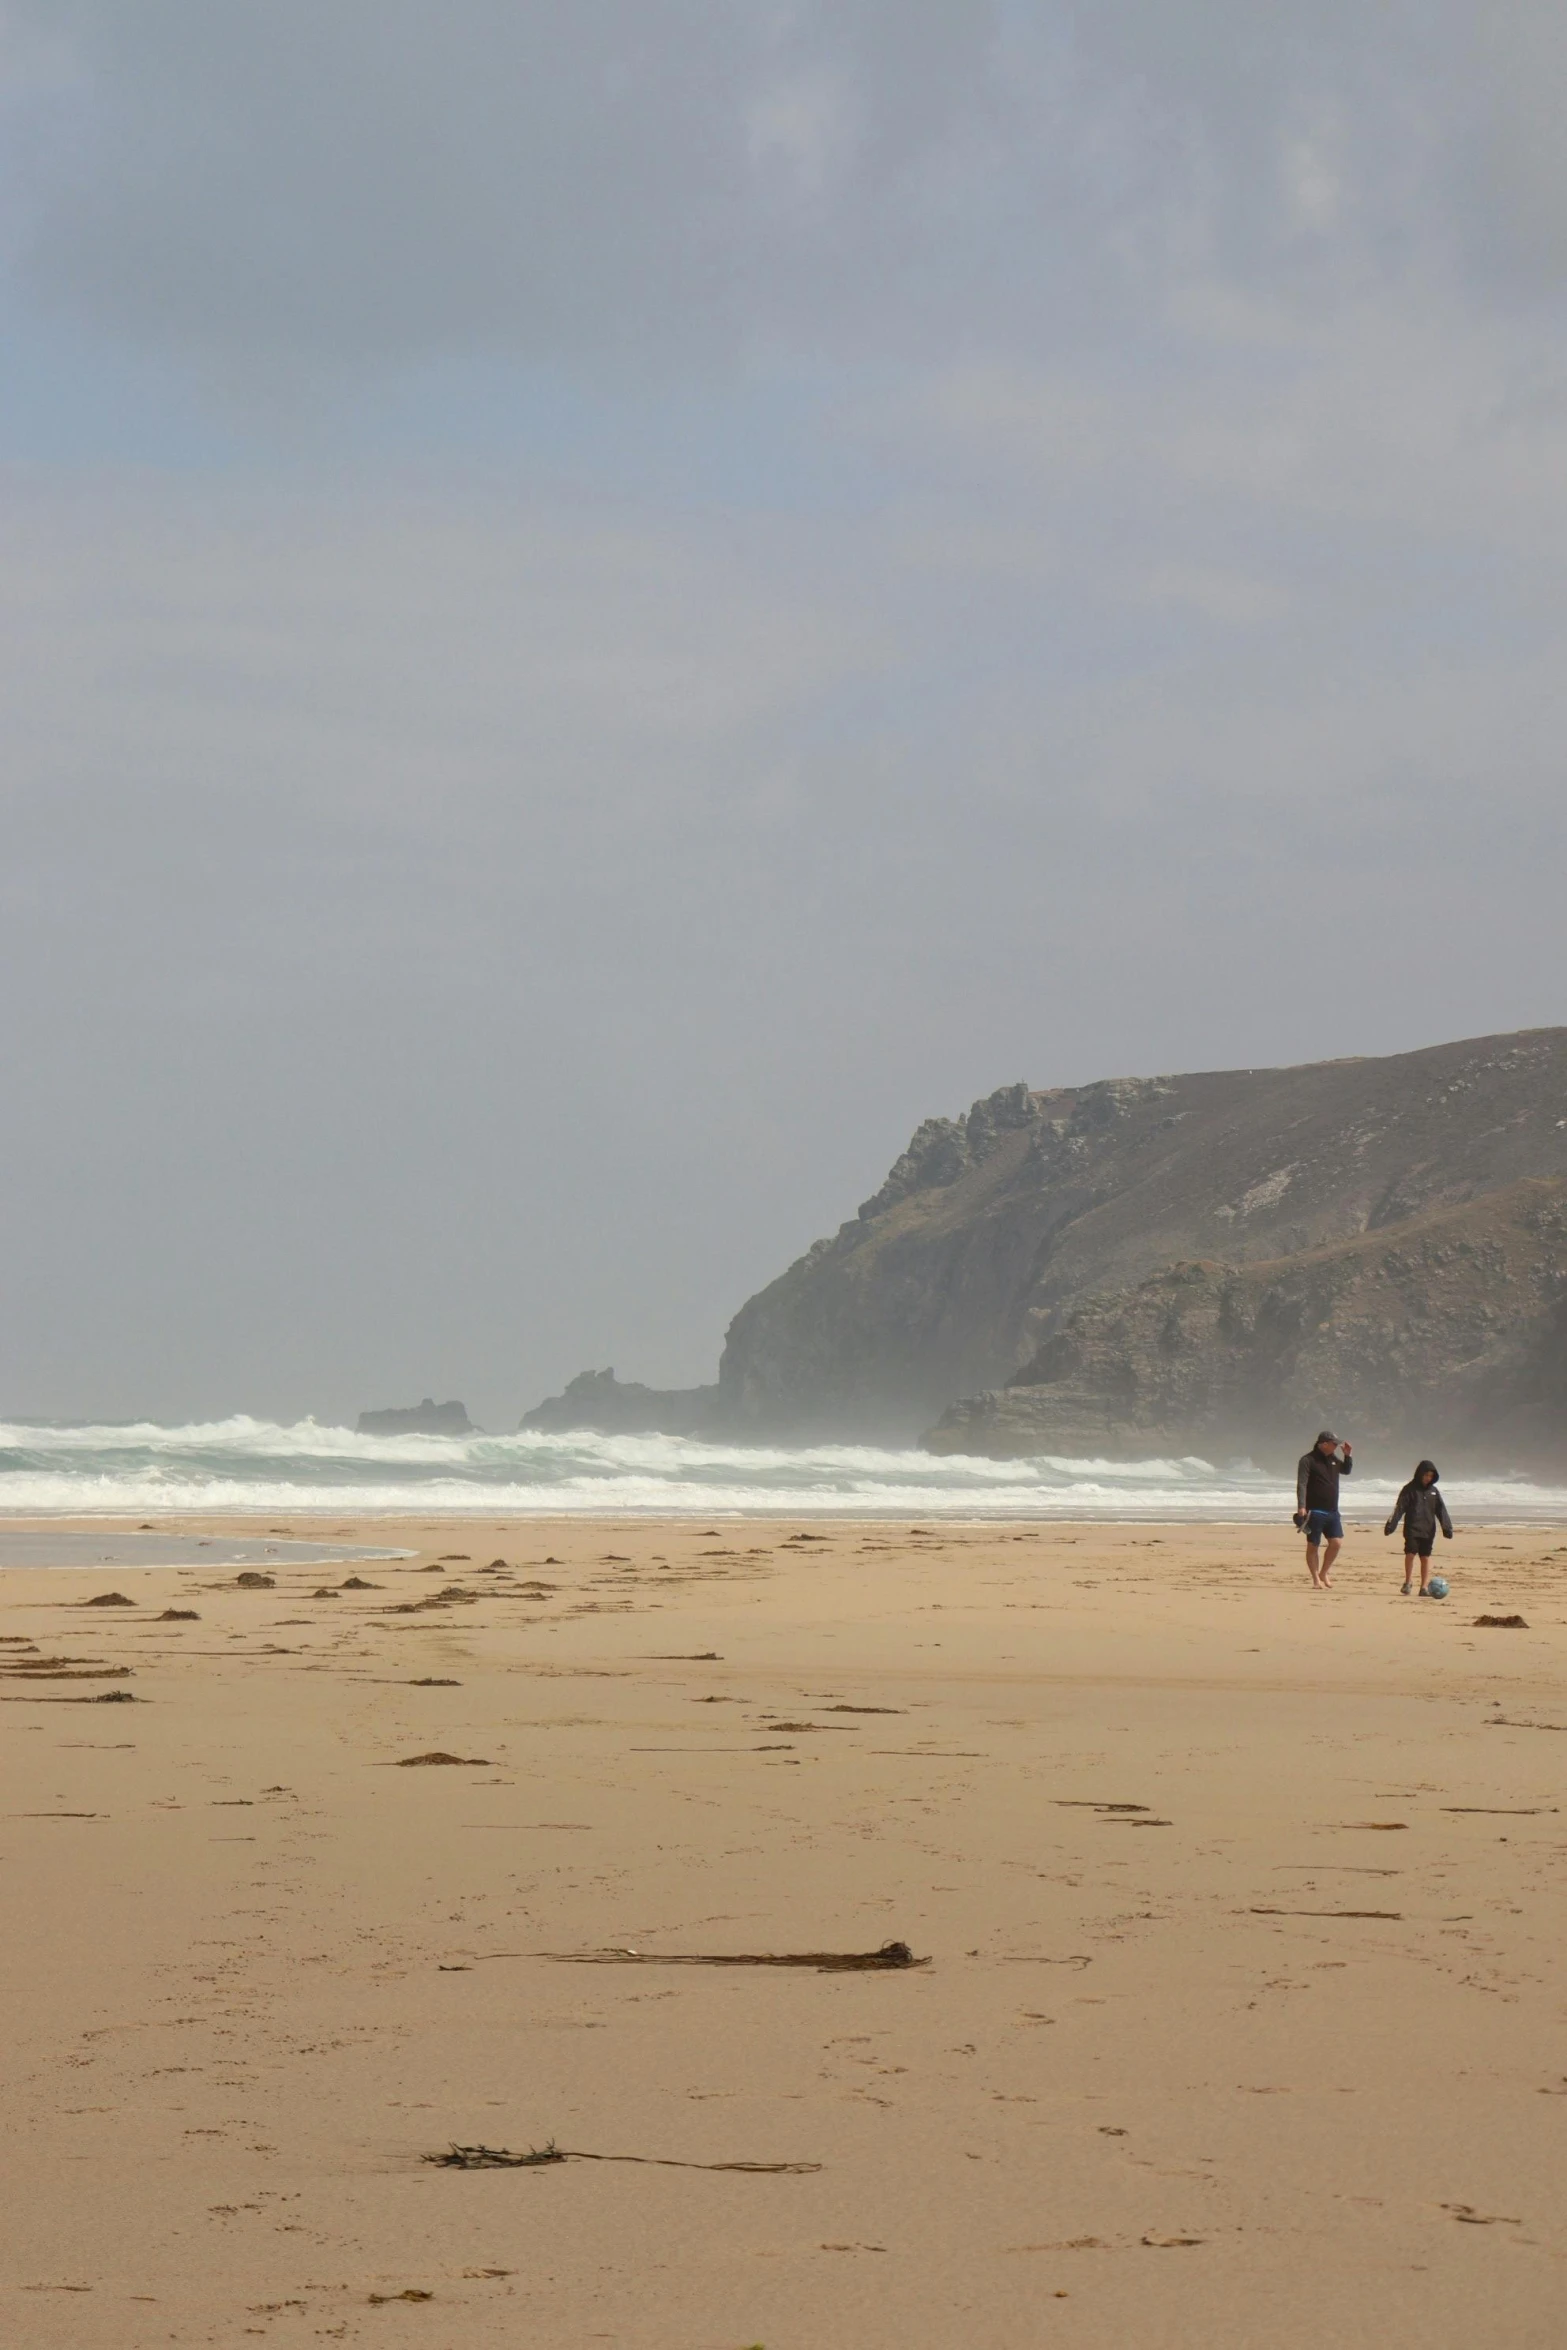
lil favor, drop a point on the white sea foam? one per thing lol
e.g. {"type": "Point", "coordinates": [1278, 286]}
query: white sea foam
{"type": "Point", "coordinates": [242, 1464]}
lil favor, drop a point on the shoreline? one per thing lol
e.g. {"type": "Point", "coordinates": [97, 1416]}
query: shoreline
{"type": "Point", "coordinates": [390, 1534]}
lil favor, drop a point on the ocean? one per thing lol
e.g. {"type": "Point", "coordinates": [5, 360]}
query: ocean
{"type": "Point", "coordinates": [261, 1467]}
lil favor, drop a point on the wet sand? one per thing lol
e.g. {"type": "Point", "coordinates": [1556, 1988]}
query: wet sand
{"type": "Point", "coordinates": [1243, 2020]}
{"type": "Point", "coordinates": [38, 1545]}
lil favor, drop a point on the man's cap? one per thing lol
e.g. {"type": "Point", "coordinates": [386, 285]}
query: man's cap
{"type": "Point", "coordinates": [1326, 1436]}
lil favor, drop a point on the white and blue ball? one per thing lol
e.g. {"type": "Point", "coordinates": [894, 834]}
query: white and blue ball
{"type": "Point", "coordinates": [1438, 1587]}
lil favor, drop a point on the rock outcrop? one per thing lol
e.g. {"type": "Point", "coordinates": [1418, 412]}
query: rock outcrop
{"type": "Point", "coordinates": [1122, 1264]}
{"type": "Point", "coordinates": [599, 1401]}
{"type": "Point", "coordinates": [417, 1419]}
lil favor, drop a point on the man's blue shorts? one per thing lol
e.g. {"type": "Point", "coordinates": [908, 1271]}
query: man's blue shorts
{"type": "Point", "coordinates": [1324, 1525]}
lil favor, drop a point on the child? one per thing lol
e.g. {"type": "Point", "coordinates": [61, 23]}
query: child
{"type": "Point", "coordinates": [1422, 1509]}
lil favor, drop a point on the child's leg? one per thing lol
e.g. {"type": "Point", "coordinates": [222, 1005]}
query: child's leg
{"type": "Point", "coordinates": [1409, 1568]}
{"type": "Point", "coordinates": [1425, 1568]}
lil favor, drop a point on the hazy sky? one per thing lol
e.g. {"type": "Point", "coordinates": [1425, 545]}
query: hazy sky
{"type": "Point", "coordinates": [604, 606]}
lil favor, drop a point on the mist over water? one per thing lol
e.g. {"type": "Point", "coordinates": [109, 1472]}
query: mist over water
{"type": "Point", "coordinates": [242, 1464]}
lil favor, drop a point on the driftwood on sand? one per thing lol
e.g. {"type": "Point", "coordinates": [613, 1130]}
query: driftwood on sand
{"type": "Point", "coordinates": [891, 1958]}
{"type": "Point", "coordinates": [540, 2157]}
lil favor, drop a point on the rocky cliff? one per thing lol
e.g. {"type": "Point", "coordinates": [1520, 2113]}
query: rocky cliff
{"type": "Point", "coordinates": [1194, 1259]}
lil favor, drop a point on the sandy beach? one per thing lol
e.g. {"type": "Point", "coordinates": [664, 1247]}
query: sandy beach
{"type": "Point", "coordinates": [1239, 2018]}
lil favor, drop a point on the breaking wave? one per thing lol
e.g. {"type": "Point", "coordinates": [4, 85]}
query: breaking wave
{"type": "Point", "coordinates": [258, 1466]}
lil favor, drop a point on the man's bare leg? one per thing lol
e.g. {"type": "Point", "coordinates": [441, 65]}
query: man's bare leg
{"type": "Point", "coordinates": [1328, 1556]}
{"type": "Point", "coordinates": [1314, 1562]}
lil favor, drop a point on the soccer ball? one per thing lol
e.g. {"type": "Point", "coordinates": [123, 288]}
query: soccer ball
{"type": "Point", "coordinates": [1438, 1587]}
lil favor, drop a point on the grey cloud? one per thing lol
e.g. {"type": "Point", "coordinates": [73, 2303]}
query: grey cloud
{"type": "Point", "coordinates": [374, 179]}
{"type": "Point", "coordinates": [680, 179]}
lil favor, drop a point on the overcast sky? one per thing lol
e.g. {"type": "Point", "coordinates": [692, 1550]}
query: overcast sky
{"type": "Point", "coordinates": [603, 607]}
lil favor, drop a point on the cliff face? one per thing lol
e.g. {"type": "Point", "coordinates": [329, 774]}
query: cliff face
{"type": "Point", "coordinates": [1446, 1331]}
{"type": "Point", "coordinates": [1253, 1194]}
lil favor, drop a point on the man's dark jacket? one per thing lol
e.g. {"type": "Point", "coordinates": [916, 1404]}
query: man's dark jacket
{"type": "Point", "coordinates": [1316, 1480]}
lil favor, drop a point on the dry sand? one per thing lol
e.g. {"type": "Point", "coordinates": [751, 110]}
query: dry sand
{"type": "Point", "coordinates": [1277, 2057]}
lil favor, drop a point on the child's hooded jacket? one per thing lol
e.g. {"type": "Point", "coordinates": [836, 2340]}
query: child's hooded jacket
{"type": "Point", "coordinates": [1422, 1509]}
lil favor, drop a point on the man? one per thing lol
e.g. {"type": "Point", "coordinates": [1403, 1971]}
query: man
{"type": "Point", "coordinates": [1316, 1503]}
